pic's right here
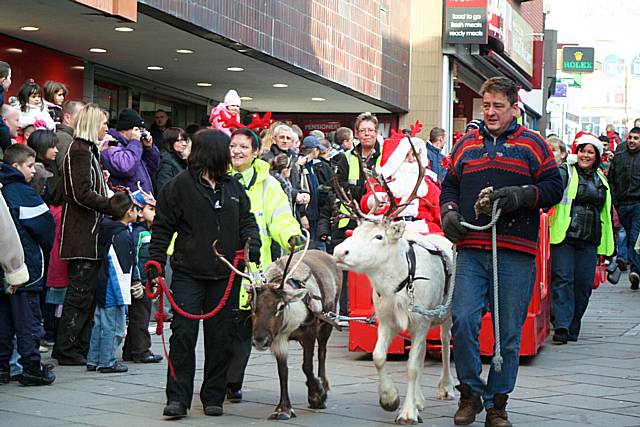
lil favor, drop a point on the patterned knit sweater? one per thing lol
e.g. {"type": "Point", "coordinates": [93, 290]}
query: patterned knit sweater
{"type": "Point", "coordinates": [517, 157]}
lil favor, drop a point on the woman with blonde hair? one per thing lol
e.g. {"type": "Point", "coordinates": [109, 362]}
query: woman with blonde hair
{"type": "Point", "coordinates": [85, 202]}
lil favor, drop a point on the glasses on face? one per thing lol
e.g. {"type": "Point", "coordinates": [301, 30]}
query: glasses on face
{"type": "Point", "coordinates": [366, 130]}
{"type": "Point", "coordinates": [634, 137]}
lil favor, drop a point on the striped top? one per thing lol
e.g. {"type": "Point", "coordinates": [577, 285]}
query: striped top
{"type": "Point", "coordinates": [517, 157]}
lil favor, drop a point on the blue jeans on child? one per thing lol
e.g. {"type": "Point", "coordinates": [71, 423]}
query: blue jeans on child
{"type": "Point", "coordinates": [472, 294]}
{"type": "Point", "coordinates": [573, 267]}
{"type": "Point", "coordinates": [15, 368]}
{"type": "Point", "coordinates": [106, 336]}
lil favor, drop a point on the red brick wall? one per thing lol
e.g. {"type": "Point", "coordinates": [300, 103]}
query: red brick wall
{"type": "Point", "coordinates": [531, 11]}
{"type": "Point", "coordinates": [360, 44]}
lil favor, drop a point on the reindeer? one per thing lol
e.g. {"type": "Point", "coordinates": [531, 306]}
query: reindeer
{"type": "Point", "coordinates": [291, 306]}
{"type": "Point", "coordinates": [405, 268]}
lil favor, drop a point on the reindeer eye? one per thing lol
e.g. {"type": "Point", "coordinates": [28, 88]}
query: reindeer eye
{"type": "Point", "coordinates": [280, 307]}
{"type": "Point", "coordinates": [379, 237]}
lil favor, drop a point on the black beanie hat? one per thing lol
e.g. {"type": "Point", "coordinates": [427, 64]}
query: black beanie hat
{"type": "Point", "coordinates": [128, 119]}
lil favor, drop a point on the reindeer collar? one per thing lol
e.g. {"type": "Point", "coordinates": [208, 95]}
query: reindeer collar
{"type": "Point", "coordinates": [411, 264]}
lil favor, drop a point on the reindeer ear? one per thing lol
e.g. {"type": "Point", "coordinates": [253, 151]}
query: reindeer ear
{"type": "Point", "coordinates": [295, 295]}
{"type": "Point", "coordinates": [395, 230]}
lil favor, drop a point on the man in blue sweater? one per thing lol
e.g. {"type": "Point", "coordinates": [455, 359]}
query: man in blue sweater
{"type": "Point", "coordinates": [520, 167]}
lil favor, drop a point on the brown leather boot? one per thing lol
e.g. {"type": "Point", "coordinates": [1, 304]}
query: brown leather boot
{"type": "Point", "coordinates": [497, 416]}
{"type": "Point", "coordinates": [468, 406]}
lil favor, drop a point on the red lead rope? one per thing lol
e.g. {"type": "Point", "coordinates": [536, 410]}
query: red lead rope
{"type": "Point", "coordinates": [160, 316]}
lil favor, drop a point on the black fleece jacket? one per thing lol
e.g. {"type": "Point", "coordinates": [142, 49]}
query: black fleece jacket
{"type": "Point", "coordinates": [189, 206]}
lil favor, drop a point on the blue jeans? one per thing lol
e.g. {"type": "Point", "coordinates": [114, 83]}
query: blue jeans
{"type": "Point", "coordinates": [630, 220]}
{"type": "Point", "coordinates": [573, 267]}
{"type": "Point", "coordinates": [106, 336]}
{"type": "Point", "coordinates": [622, 245]}
{"type": "Point", "coordinates": [15, 368]}
{"type": "Point", "coordinates": [472, 294]}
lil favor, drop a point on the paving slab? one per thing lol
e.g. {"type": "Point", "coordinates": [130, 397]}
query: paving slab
{"type": "Point", "coordinates": [594, 381]}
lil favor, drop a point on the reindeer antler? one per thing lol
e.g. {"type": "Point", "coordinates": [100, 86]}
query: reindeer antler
{"type": "Point", "coordinates": [257, 123]}
{"type": "Point", "coordinates": [286, 276]}
{"type": "Point", "coordinates": [392, 214]}
{"type": "Point", "coordinates": [416, 128]}
{"type": "Point", "coordinates": [231, 267]}
{"type": "Point", "coordinates": [349, 203]}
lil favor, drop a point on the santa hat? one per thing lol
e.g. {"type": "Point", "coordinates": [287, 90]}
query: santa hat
{"type": "Point", "coordinates": [394, 152]}
{"type": "Point", "coordinates": [583, 138]}
{"type": "Point", "coordinates": [231, 98]}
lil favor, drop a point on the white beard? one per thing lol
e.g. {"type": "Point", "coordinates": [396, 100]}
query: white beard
{"type": "Point", "coordinates": [404, 180]}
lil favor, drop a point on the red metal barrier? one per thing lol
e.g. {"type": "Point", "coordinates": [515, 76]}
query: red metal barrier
{"type": "Point", "coordinates": [362, 337]}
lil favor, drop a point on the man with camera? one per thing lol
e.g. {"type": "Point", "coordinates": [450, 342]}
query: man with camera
{"type": "Point", "coordinates": [130, 157]}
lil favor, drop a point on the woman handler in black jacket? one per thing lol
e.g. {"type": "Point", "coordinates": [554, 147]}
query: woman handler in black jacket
{"type": "Point", "coordinates": [202, 204]}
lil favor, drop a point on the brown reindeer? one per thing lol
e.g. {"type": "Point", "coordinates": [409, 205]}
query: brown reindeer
{"type": "Point", "coordinates": [291, 306]}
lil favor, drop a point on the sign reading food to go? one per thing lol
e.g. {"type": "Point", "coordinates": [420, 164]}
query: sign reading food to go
{"type": "Point", "coordinates": [577, 59]}
{"type": "Point", "coordinates": [466, 21]}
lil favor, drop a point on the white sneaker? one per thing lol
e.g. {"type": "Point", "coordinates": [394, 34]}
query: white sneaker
{"type": "Point", "coordinates": [343, 323]}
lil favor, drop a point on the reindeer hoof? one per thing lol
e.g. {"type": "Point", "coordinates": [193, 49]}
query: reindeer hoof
{"type": "Point", "coordinates": [392, 406]}
{"type": "Point", "coordinates": [282, 415]}
{"type": "Point", "coordinates": [317, 400]}
{"type": "Point", "coordinates": [408, 421]}
{"type": "Point", "coordinates": [444, 395]}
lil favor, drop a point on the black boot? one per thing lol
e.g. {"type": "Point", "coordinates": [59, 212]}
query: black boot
{"type": "Point", "coordinates": [35, 375]}
{"type": "Point", "coordinates": [175, 410]}
{"type": "Point", "coordinates": [561, 336]}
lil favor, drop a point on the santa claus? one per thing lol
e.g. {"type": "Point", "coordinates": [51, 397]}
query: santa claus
{"type": "Point", "coordinates": [400, 169]}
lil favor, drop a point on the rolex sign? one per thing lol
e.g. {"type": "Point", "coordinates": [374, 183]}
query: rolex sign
{"type": "Point", "coordinates": [577, 59]}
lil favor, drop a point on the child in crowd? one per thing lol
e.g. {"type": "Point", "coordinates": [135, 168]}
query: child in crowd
{"type": "Point", "coordinates": [54, 95]}
{"type": "Point", "coordinates": [559, 149]}
{"type": "Point", "coordinates": [20, 304]}
{"type": "Point", "coordinates": [32, 107]}
{"type": "Point", "coordinates": [114, 286]}
{"type": "Point", "coordinates": [281, 170]}
{"type": "Point", "coordinates": [137, 345]}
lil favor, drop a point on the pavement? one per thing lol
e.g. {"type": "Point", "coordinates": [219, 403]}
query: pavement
{"type": "Point", "coordinates": [592, 382]}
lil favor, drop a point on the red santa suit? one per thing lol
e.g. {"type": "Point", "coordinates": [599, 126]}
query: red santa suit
{"type": "Point", "coordinates": [423, 214]}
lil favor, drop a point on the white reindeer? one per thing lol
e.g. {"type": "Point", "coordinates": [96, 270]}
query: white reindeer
{"type": "Point", "coordinates": [381, 248]}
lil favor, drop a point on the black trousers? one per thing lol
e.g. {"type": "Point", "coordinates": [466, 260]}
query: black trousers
{"type": "Point", "coordinates": [74, 328]}
{"type": "Point", "coordinates": [137, 344]}
{"type": "Point", "coordinates": [241, 350]}
{"type": "Point", "coordinates": [198, 297]}
{"type": "Point", "coordinates": [20, 316]}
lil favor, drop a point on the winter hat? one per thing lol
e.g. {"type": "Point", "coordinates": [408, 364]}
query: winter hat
{"type": "Point", "coordinates": [394, 151]}
{"type": "Point", "coordinates": [583, 138]}
{"type": "Point", "coordinates": [141, 199]}
{"type": "Point", "coordinates": [311, 142]}
{"type": "Point", "coordinates": [128, 119]}
{"type": "Point", "coordinates": [473, 124]}
{"type": "Point", "coordinates": [231, 98]}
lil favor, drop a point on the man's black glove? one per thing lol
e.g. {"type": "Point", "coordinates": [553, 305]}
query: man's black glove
{"type": "Point", "coordinates": [297, 241]}
{"type": "Point", "coordinates": [451, 220]}
{"type": "Point", "coordinates": [254, 251]}
{"type": "Point", "coordinates": [515, 197]}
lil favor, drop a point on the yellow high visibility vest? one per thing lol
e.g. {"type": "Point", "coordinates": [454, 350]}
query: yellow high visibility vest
{"type": "Point", "coordinates": [559, 222]}
{"type": "Point", "coordinates": [352, 179]}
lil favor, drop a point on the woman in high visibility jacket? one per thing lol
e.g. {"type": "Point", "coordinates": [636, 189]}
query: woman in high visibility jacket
{"type": "Point", "coordinates": [270, 205]}
{"type": "Point", "coordinates": [579, 231]}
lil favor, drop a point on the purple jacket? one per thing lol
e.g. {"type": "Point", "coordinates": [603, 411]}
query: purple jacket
{"type": "Point", "coordinates": [129, 162]}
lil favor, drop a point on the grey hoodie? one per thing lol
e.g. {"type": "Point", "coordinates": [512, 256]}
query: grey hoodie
{"type": "Point", "coordinates": [11, 255]}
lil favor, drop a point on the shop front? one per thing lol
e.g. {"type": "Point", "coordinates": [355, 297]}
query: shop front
{"type": "Point", "coordinates": [483, 39]}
